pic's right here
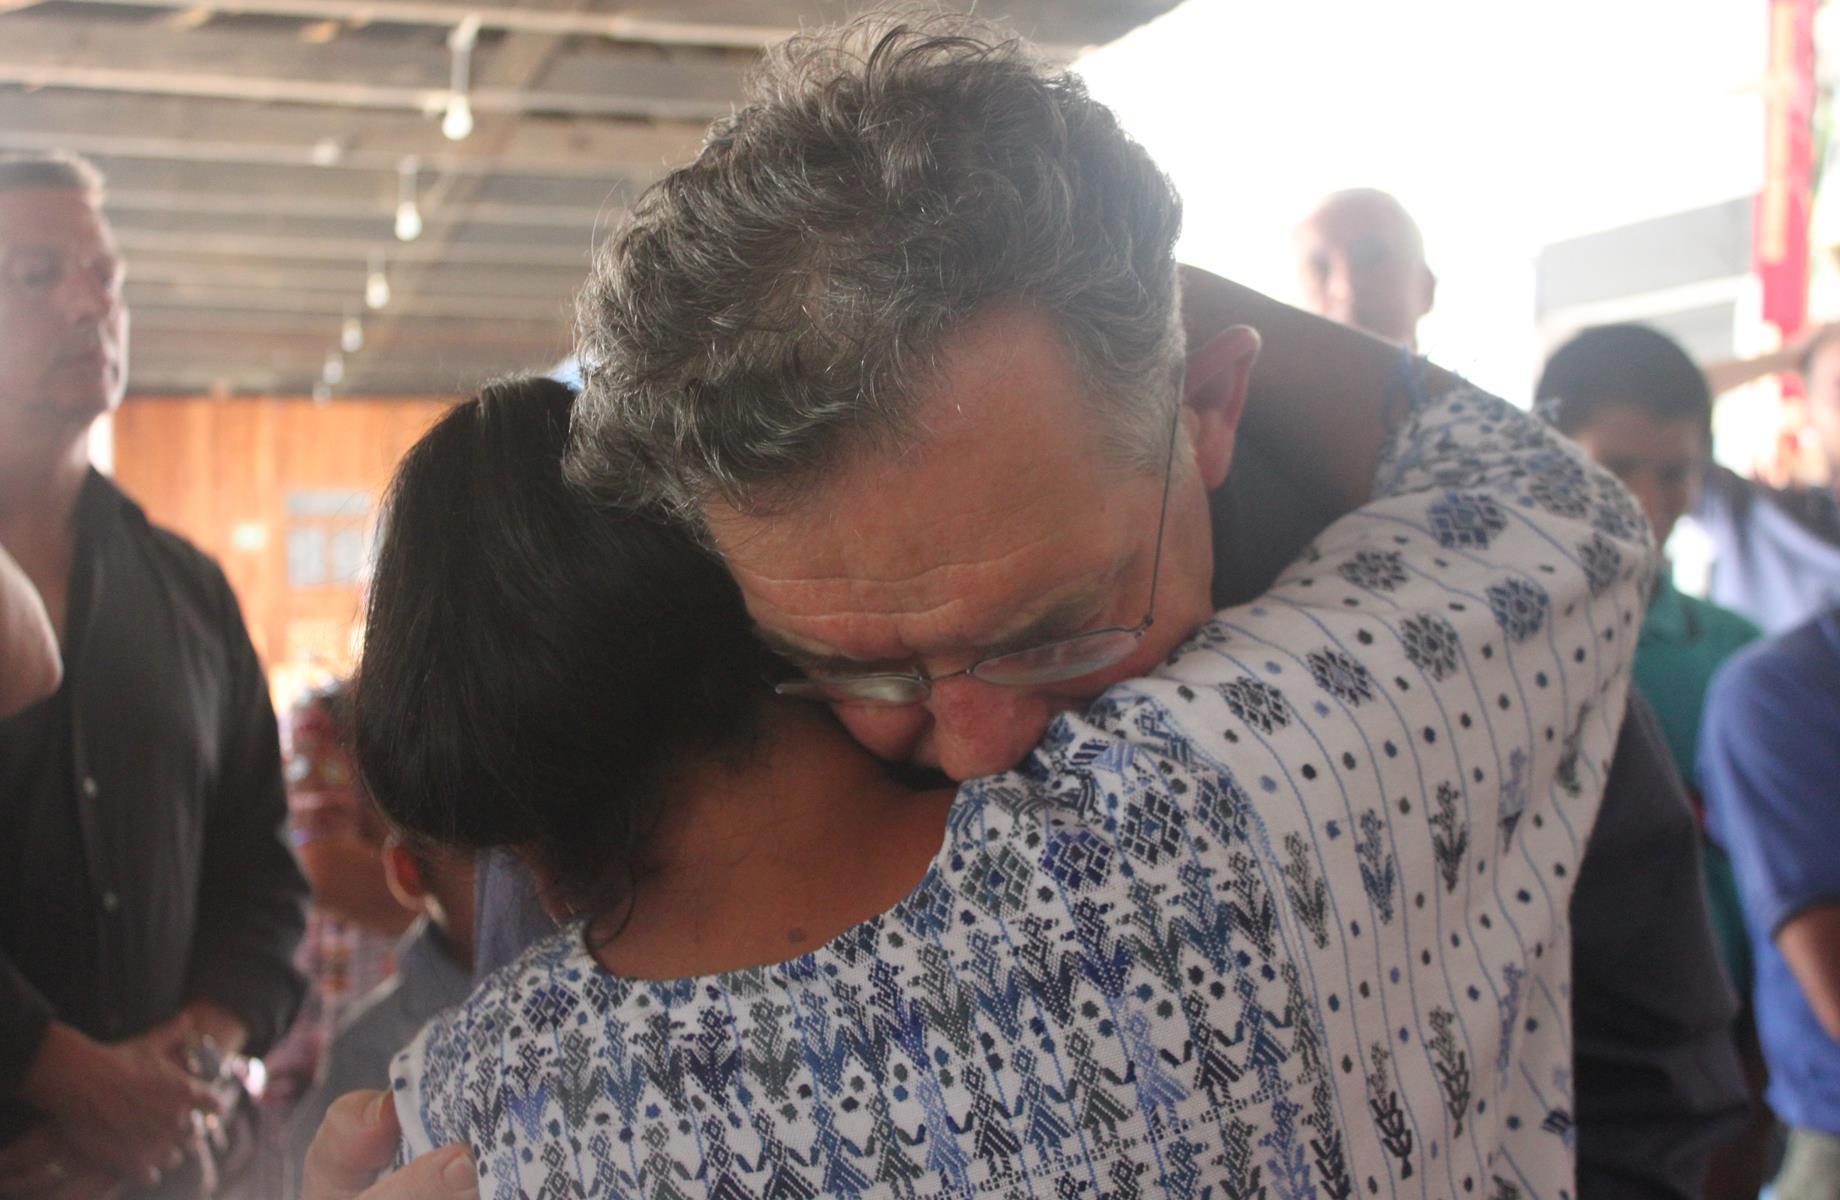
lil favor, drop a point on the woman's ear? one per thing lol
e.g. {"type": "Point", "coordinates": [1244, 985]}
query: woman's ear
{"type": "Point", "coordinates": [1214, 393]}
{"type": "Point", "coordinates": [403, 874]}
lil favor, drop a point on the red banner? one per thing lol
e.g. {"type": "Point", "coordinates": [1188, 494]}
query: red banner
{"type": "Point", "coordinates": [1781, 235]}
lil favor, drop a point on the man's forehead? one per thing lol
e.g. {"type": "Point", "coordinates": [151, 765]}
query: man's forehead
{"type": "Point", "coordinates": [1001, 502]}
{"type": "Point", "coordinates": [52, 216]}
{"type": "Point", "coordinates": [1637, 434]}
{"type": "Point", "coordinates": [1359, 219]}
{"type": "Point", "coordinates": [911, 549]}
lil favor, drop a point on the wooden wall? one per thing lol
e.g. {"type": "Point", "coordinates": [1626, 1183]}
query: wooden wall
{"type": "Point", "coordinates": [280, 492]}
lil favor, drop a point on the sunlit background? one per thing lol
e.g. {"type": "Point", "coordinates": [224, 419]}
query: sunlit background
{"type": "Point", "coordinates": [1504, 129]}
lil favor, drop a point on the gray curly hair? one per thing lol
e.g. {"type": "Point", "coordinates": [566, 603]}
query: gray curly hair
{"type": "Point", "coordinates": [774, 306]}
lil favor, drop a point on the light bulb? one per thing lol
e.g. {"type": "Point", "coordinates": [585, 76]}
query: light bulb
{"type": "Point", "coordinates": [322, 393]}
{"type": "Point", "coordinates": [326, 152]}
{"type": "Point", "coordinates": [333, 373]}
{"type": "Point", "coordinates": [351, 335]}
{"type": "Point", "coordinates": [408, 221]}
{"type": "Point", "coordinates": [408, 215]}
{"type": "Point", "coordinates": [377, 288]}
{"type": "Point", "coordinates": [457, 122]}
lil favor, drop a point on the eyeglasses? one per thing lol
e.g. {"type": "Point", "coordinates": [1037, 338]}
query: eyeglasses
{"type": "Point", "coordinates": [1032, 666]}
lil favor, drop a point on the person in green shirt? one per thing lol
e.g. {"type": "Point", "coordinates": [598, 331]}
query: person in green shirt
{"type": "Point", "coordinates": [1639, 406]}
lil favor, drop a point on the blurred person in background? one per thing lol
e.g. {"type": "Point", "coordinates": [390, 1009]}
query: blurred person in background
{"type": "Point", "coordinates": [434, 964]}
{"type": "Point", "coordinates": [1770, 757]}
{"type": "Point", "coordinates": [354, 921]}
{"type": "Point", "coordinates": [149, 905]}
{"type": "Point", "coordinates": [1361, 261]}
{"type": "Point", "coordinates": [1776, 550]}
{"type": "Point", "coordinates": [1639, 406]}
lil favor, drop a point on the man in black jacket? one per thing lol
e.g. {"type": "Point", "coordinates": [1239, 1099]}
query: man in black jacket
{"type": "Point", "coordinates": [149, 905]}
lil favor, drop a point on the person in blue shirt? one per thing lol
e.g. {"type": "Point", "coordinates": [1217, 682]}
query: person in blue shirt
{"type": "Point", "coordinates": [1770, 758]}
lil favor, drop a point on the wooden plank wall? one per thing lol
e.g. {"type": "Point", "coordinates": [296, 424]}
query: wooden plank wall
{"type": "Point", "coordinates": [238, 477]}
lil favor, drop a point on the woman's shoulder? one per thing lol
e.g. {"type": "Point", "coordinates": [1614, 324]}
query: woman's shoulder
{"type": "Point", "coordinates": [455, 1081]}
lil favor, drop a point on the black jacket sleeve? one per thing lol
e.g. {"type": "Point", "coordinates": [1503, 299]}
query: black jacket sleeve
{"type": "Point", "coordinates": [252, 895]}
{"type": "Point", "coordinates": [1659, 1085]}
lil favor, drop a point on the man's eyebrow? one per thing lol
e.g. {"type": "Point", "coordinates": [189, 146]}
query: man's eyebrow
{"type": "Point", "coordinates": [816, 662]}
{"type": "Point", "coordinates": [1063, 617]}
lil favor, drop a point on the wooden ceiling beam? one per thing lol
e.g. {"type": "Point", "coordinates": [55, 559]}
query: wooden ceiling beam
{"type": "Point", "coordinates": [356, 250]}
{"type": "Point", "coordinates": [115, 56]}
{"type": "Point", "coordinates": [299, 204]}
{"type": "Point", "coordinates": [518, 284]}
{"type": "Point", "coordinates": [144, 295]}
{"type": "Point", "coordinates": [191, 130]}
{"type": "Point", "coordinates": [586, 199]}
{"type": "Point", "coordinates": [616, 27]}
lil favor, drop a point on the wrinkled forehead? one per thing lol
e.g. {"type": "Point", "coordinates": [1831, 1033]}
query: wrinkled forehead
{"type": "Point", "coordinates": [1005, 501]}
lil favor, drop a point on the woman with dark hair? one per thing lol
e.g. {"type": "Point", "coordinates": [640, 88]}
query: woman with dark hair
{"type": "Point", "coordinates": [540, 676]}
{"type": "Point", "coordinates": [1111, 970]}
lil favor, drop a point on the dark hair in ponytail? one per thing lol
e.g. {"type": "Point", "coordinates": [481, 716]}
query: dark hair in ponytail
{"type": "Point", "coordinates": [533, 663]}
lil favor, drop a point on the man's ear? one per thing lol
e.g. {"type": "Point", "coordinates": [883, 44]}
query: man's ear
{"type": "Point", "coordinates": [1214, 393]}
{"type": "Point", "coordinates": [1430, 291]}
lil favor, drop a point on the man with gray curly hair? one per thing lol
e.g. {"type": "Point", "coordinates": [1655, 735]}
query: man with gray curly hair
{"type": "Point", "coordinates": [903, 342]}
{"type": "Point", "coordinates": [792, 292]}
{"type": "Point", "coordinates": [908, 345]}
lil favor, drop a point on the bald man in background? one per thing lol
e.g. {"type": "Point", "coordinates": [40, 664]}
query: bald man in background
{"type": "Point", "coordinates": [1361, 262]}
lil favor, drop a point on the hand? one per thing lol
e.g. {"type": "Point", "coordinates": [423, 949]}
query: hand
{"type": "Point", "coordinates": [41, 1166]}
{"type": "Point", "coordinates": [358, 1140]}
{"type": "Point", "coordinates": [126, 1108]}
{"type": "Point", "coordinates": [203, 1019]}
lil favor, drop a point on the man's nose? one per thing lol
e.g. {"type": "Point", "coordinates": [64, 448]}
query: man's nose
{"type": "Point", "coordinates": [1339, 286]}
{"type": "Point", "coordinates": [981, 729]}
{"type": "Point", "coordinates": [85, 298]}
{"type": "Point", "coordinates": [1650, 493]}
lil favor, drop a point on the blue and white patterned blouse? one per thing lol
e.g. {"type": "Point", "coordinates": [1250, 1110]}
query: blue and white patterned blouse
{"type": "Point", "coordinates": [1286, 920]}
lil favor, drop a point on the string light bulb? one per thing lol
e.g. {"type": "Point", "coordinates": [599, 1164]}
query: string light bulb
{"type": "Point", "coordinates": [376, 284]}
{"type": "Point", "coordinates": [408, 214]}
{"type": "Point", "coordinates": [457, 121]}
{"type": "Point", "coordinates": [351, 334]}
{"type": "Point", "coordinates": [333, 373]}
